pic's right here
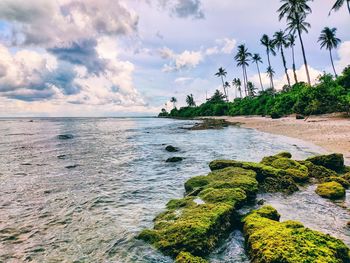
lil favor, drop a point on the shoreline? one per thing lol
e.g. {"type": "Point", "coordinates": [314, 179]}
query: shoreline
{"type": "Point", "coordinates": [331, 131]}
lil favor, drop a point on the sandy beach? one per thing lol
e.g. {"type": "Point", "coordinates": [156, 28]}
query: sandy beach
{"type": "Point", "coordinates": [330, 132]}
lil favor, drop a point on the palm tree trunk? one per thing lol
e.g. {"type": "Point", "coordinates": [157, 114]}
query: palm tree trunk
{"type": "Point", "coordinates": [268, 59]}
{"type": "Point", "coordinates": [285, 66]}
{"type": "Point", "coordinates": [262, 87]}
{"type": "Point", "coordinates": [223, 86]}
{"type": "Point", "coordinates": [330, 54]}
{"type": "Point", "coordinates": [240, 91]}
{"type": "Point", "coordinates": [304, 56]}
{"type": "Point", "coordinates": [244, 83]}
{"type": "Point", "coordinates": [246, 79]}
{"type": "Point", "coordinates": [294, 69]}
{"type": "Point", "coordinates": [348, 3]}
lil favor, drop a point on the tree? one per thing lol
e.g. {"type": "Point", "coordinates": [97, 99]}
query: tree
{"type": "Point", "coordinates": [270, 73]}
{"type": "Point", "coordinates": [329, 41]}
{"type": "Point", "coordinates": [295, 12]}
{"type": "Point", "coordinates": [190, 101]}
{"type": "Point", "coordinates": [218, 97]}
{"type": "Point", "coordinates": [251, 89]}
{"type": "Point", "coordinates": [227, 86]}
{"type": "Point", "coordinates": [338, 4]}
{"type": "Point", "coordinates": [242, 59]}
{"type": "Point", "coordinates": [291, 44]}
{"type": "Point", "coordinates": [221, 74]}
{"type": "Point", "coordinates": [268, 44]}
{"type": "Point", "coordinates": [173, 100]}
{"type": "Point", "coordinates": [237, 83]}
{"type": "Point", "coordinates": [257, 59]}
{"type": "Point", "coordinates": [280, 42]}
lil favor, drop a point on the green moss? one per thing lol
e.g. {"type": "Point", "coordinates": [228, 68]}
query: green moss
{"type": "Point", "coordinates": [284, 184]}
{"type": "Point", "coordinates": [338, 179]}
{"type": "Point", "coordinates": [233, 196]}
{"type": "Point", "coordinates": [179, 203]}
{"type": "Point", "coordinates": [297, 171]}
{"type": "Point", "coordinates": [222, 164]}
{"type": "Point", "coordinates": [268, 160]}
{"type": "Point", "coordinates": [318, 171]}
{"type": "Point", "coordinates": [269, 241]}
{"type": "Point", "coordinates": [334, 161]}
{"type": "Point", "coordinates": [284, 155]}
{"type": "Point", "coordinates": [185, 257]}
{"type": "Point", "coordinates": [331, 190]}
{"type": "Point", "coordinates": [196, 183]}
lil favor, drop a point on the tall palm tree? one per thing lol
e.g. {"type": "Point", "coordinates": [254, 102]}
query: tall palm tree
{"type": "Point", "coordinates": [173, 100]}
{"type": "Point", "coordinates": [291, 44]}
{"type": "Point", "coordinates": [237, 82]}
{"type": "Point", "coordinates": [257, 59]}
{"type": "Point", "coordinates": [329, 40]}
{"type": "Point", "coordinates": [270, 49]}
{"type": "Point", "coordinates": [221, 74]}
{"type": "Point", "coordinates": [295, 12]}
{"type": "Point", "coordinates": [190, 101]}
{"type": "Point", "coordinates": [271, 73]}
{"type": "Point", "coordinates": [338, 4]}
{"type": "Point", "coordinates": [242, 58]}
{"type": "Point", "coordinates": [227, 86]}
{"type": "Point", "coordinates": [281, 42]}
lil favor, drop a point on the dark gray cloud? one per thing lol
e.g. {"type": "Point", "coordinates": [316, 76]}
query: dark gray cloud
{"type": "Point", "coordinates": [81, 53]}
{"type": "Point", "coordinates": [30, 95]}
{"type": "Point", "coordinates": [188, 8]}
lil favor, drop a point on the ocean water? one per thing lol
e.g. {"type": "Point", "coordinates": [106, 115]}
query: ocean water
{"type": "Point", "coordinates": [81, 189]}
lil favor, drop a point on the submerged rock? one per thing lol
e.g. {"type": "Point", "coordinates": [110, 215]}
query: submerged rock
{"type": "Point", "coordinates": [174, 159]}
{"type": "Point", "coordinates": [65, 136]}
{"type": "Point", "coordinates": [270, 241]}
{"type": "Point", "coordinates": [171, 149]}
{"type": "Point", "coordinates": [333, 161]}
{"type": "Point", "coordinates": [331, 190]}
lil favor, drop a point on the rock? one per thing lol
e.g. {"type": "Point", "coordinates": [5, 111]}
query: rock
{"type": "Point", "coordinates": [62, 156]}
{"type": "Point", "coordinates": [270, 241]}
{"type": "Point", "coordinates": [318, 171]}
{"type": "Point", "coordinates": [331, 190]}
{"type": "Point", "coordinates": [297, 171]}
{"type": "Point", "coordinates": [261, 202]}
{"type": "Point", "coordinates": [65, 136]}
{"type": "Point", "coordinates": [338, 179]}
{"type": "Point", "coordinates": [334, 161]}
{"type": "Point", "coordinates": [185, 257]}
{"type": "Point", "coordinates": [209, 124]}
{"type": "Point", "coordinates": [72, 166]}
{"type": "Point", "coordinates": [300, 117]}
{"type": "Point", "coordinates": [171, 149]}
{"type": "Point", "coordinates": [174, 159]}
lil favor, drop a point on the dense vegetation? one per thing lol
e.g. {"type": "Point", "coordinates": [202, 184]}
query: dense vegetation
{"type": "Point", "coordinates": [327, 96]}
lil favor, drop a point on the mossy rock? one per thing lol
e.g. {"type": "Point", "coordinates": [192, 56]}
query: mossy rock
{"type": "Point", "coordinates": [222, 164]}
{"type": "Point", "coordinates": [185, 257]}
{"type": "Point", "coordinates": [333, 161]}
{"type": "Point", "coordinates": [318, 171]}
{"type": "Point", "coordinates": [283, 184]}
{"type": "Point", "coordinates": [270, 241]}
{"type": "Point", "coordinates": [297, 171]}
{"type": "Point", "coordinates": [232, 196]}
{"type": "Point", "coordinates": [268, 160]}
{"type": "Point", "coordinates": [331, 190]}
{"type": "Point", "coordinates": [171, 149]}
{"type": "Point", "coordinates": [345, 183]}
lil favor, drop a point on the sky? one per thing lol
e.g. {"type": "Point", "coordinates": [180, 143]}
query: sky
{"type": "Point", "coordinates": [129, 57]}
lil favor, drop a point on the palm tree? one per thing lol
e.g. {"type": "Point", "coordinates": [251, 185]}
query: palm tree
{"type": "Point", "coordinates": [257, 59]}
{"type": "Point", "coordinates": [173, 100]}
{"type": "Point", "coordinates": [242, 58]}
{"type": "Point", "coordinates": [270, 48]}
{"type": "Point", "coordinates": [190, 101]}
{"type": "Point", "coordinates": [291, 43]}
{"type": "Point", "coordinates": [280, 42]}
{"type": "Point", "coordinates": [227, 86]}
{"type": "Point", "coordinates": [338, 4]}
{"type": "Point", "coordinates": [330, 41]}
{"type": "Point", "coordinates": [251, 89]}
{"type": "Point", "coordinates": [270, 73]}
{"type": "Point", "coordinates": [295, 12]}
{"type": "Point", "coordinates": [221, 74]}
{"type": "Point", "coordinates": [237, 82]}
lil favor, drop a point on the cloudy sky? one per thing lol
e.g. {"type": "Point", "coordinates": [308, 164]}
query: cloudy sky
{"type": "Point", "coordinates": [128, 57]}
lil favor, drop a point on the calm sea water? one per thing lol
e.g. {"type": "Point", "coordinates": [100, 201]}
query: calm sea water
{"type": "Point", "coordinates": [84, 197]}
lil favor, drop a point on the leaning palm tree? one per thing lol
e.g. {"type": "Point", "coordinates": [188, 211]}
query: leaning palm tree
{"type": "Point", "coordinates": [291, 44]}
{"type": "Point", "coordinates": [242, 59]}
{"type": "Point", "coordinates": [338, 4]}
{"type": "Point", "coordinates": [257, 59]}
{"type": "Point", "coordinates": [281, 42]}
{"type": "Point", "coordinates": [221, 74]}
{"type": "Point", "coordinates": [173, 100]}
{"type": "Point", "coordinates": [238, 84]}
{"type": "Point", "coordinates": [329, 40]}
{"type": "Point", "coordinates": [270, 49]}
{"type": "Point", "coordinates": [271, 73]}
{"type": "Point", "coordinates": [295, 12]}
{"type": "Point", "coordinates": [190, 101]}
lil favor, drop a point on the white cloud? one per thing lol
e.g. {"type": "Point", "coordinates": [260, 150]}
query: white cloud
{"type": "Point", "coordinates": [184, 60]}
{"type": "Point", "coordinates": [344, 56]}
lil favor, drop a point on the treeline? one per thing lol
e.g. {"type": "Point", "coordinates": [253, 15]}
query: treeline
{"type": "Point", "coordinates": [327, 96]}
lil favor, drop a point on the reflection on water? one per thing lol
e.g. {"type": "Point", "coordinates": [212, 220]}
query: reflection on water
{"type": "Point", "coordinates": [84, 197]}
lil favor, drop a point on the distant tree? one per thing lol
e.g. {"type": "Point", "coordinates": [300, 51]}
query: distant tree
{"type": "Point", "coordinates": [271, 73]}
{"type": "Point", "coordinates": [221, 74]}
{"type": "Point", "coordinates": [218, 97]}
{"type": "Point", "coordinates": [190, 101]}
{"type": "Point", "coordinates": [270, 49]}
{"type": "Point", "coordinates": [227, 86]}
{"type": "Point", "coordinates": [237, 83]}
{"type": "Point", "coordinates": [329, 40]}
{"type": "Point", "coordinates": [173, 100]}
{"type": "Point", "coordinates": [338, 4]}
{"type": "Point", "coordinates": [257, 59]}
{"type": "Point", "coordinates": [242, 58]}
{"type": "Point", "coordinates": [281, 42]}
{"type": "Point", "coordinates": [251, 89]}
{"type": "Point", "coordinates": [295, 12]}
{"type": "Point", "coordinates": [291, 44]}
